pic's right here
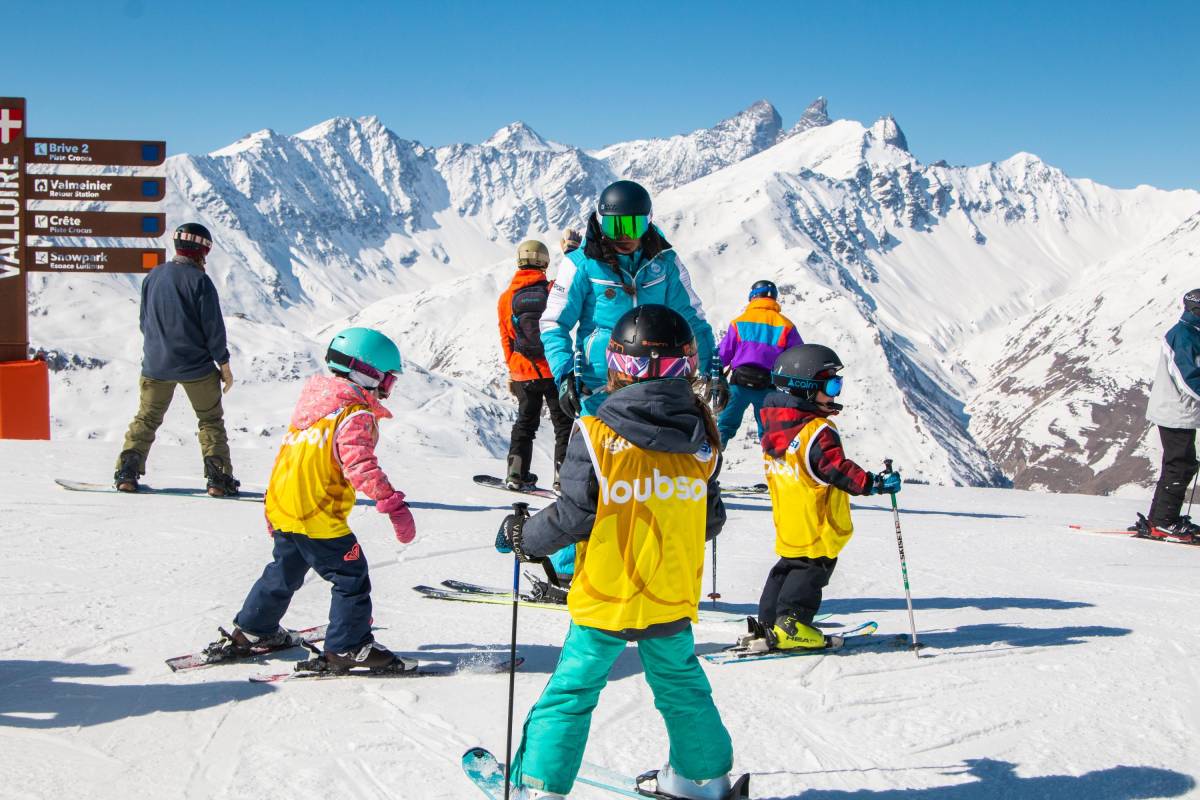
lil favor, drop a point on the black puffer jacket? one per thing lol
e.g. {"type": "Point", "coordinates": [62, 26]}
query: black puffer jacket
{"type": "Point", "coordinates": [655, 415]}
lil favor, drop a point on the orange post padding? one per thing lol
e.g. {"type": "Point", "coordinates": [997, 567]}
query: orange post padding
{"type": "Point", "coordinates": [24, 400]}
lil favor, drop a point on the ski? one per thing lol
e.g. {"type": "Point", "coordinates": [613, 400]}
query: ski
{"type": "Point", "coordinates": [462, 591]}
{"type": "Point", "coordinates": [482, 768]}
{"type": "Point", "coordinates": [81, 486]}
{"type": "Point", "coordinates": [756, 488]}
{"type": "Point", "coordinates": [851, 638]}
{"type": "Point", "coordinates": [1129, 533]}
{"type": "Point", "coordinates": [644, 785]}
{"type": "Point", "coordinates": [487, 773]}
{"type": "Point", "coordinates": [495, 483]}
{"type": "Point", "coordinates": [473, 665]}
{"type": "Point", "coordinates": [203, 659]}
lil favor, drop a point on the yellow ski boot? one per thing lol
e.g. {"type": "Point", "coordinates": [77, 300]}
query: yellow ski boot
{"type": "Point", "coordinates": [792, 634]}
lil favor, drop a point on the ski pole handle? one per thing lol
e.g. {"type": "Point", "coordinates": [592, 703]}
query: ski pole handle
{"type": "Point", "coordinates": [887, 466]}
{"type": "Point", "coordinates": [521, 509]}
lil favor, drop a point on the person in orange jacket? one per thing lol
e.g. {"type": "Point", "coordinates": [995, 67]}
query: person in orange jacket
{"type": "Point", "coordinates": [530, 380]}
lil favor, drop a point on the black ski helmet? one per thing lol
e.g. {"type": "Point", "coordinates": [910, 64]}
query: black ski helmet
{"type": "Point", "coordinates": [624, 197]}
{"type": "Point", "coordinates": [192, 238]}
{"type": "Point", "coordinates": [764, 289]}
{"type": "Point", "coordinates": [805, 368]}
{"type": "Point", "coordinates": [1191, 301]}
{"type": "Point", "coordinates": [652, 341]}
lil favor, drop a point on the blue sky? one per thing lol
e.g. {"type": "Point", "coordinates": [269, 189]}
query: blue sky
{"type": "Point", "coordinates": [1105, 90]}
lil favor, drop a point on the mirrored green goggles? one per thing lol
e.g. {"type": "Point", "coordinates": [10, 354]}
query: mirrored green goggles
{"type": "Point", "coordinates": [625, 226]}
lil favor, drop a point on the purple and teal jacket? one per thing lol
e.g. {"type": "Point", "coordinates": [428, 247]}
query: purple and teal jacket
{"type": "Point", "coordinates": [758, 336]}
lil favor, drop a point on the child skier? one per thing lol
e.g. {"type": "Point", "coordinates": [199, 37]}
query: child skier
{"type": "Point", "coordinates": [811, 481]}
{"type": "Point", "coordinates": [640, 496]}
{"type": "Point", "coordinates": [328, 453]}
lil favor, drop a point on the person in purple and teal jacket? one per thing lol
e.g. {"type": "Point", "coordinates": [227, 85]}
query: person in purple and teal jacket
{"type": "Point", "coordinates": [749, 349]}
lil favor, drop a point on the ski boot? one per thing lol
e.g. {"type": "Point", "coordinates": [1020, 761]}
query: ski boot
{"type": "Point", "coordinates": [1182, 531]}
{"type": "Point", "coordinates": [243, 644]}
{"type": "Point", "coordinates": [792, 634]}
{"type": "Point", "coordinates": [129, 470]}
{"type": "Point", "coordinates": [668, 784]}
{"type": "Point", "coordinates": [755, 640]}
{"type": "Point", "coordinates": [371, 657]}
{"type": "Point", "coordinates": [526, 793]}
{"type": "Point", "coordinates": [545, 592]}
{"type": "Point", "coordinates": [521, 483]}
{"type": "Point", "coordinates": [220, 482]}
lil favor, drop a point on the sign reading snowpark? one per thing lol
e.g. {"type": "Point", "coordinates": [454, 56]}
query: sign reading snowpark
{"type": "Point", "coordinates": [30, 174]}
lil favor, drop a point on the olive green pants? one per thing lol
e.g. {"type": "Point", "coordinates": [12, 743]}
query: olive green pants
{"type": "Point", "coordinates": [155, 398]}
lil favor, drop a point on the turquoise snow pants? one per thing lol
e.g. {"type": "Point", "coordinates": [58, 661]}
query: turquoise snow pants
{"type": "Point", "coordinates": [731, 417]}
{"type": "Point", "coordinates": [556, 730]}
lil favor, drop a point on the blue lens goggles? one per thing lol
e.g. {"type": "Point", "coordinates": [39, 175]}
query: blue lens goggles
{"type": "Point", "coordinates": [830, 386]}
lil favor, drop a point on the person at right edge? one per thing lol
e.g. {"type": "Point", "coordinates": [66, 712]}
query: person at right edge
{"type": "Point", "coordinates": [641, 498]}
{"type": "Point", "coordinates": [811, 481]}
{"type": "Point", "coordinates": [183, 344]}
{"type": "Point", "coordinates": [623, 261]}
{"type": "Point", "coordinates": [1174, 406]}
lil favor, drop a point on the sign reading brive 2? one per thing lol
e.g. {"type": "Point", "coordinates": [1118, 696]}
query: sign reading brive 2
{"type": "Point", "coordinates": [105, 152]}
{"type": "Point", "coordinates": [14, 323]}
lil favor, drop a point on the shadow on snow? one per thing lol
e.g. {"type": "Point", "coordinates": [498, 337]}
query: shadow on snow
{"type": "Point", "coordinates": [866, 605]}
{"type": "Point", "coordinates": [35, 695]}
{"type": "Point", "coordinates": [998, 779]}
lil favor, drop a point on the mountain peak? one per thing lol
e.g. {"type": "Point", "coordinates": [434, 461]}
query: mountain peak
{"type": "Point", "coordinates": [815, 116]}
{"type": "Point", "coordinates": [519, 136]}
{"type": "Point", "coordinates": [366, 126]}
{"type": "Point", "coordinates": [887, 130]}
{"type": "Point", "coordinates": [759, 124]}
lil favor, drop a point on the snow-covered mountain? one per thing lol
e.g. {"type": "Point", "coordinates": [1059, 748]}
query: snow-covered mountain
{"type": "Point", "coordinates": [999, 322]}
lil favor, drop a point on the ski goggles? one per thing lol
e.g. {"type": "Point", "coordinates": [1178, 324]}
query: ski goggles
{"type": "Point", "coordinates": [831, 386]}
{"type": "Point", "coordinates": [625, 226]}
{"type": "Point", "coordinates": [641, 367]}
{"type": "Point", "coordinates": [364, 374]}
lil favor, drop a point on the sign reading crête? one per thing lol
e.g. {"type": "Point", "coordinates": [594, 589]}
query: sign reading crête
{"type": "Point", "coordinates": [94, 223]}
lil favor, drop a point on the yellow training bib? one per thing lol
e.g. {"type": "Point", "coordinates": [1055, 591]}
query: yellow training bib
{"type": "Point", "coordinates": [643, 562]}
{"type": "Point", "coordinates": [812, 518]}
{"type": "Point", "coordinates": [308, 493]}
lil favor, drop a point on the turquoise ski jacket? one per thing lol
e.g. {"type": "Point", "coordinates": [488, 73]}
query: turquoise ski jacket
{"type": "Point", "coordinates": [589, 297]}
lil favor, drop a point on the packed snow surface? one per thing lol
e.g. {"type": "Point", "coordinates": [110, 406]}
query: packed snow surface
{"type": "Point", "coordinates": [1057, 663]}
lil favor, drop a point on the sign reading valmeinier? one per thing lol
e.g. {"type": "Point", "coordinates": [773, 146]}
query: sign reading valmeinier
{"type": "Point", "coordinates": [94, 223]}
{"type": "Point", "coordinates": [55, 186]}
{"type": "Point", "coordinates": [94, 259]}
{"type": "Point", "coordinates": [14, 317]}
{"type": "Point", "coordinates": [107, 152]}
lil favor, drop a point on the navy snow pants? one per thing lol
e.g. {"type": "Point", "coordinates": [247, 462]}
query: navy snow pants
{"type": "Point", "coordinates": [339, 561]}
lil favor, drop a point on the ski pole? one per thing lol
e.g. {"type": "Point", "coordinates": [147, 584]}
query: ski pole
{"type": "Point", "coordinates": [521, 510]}
{"type": "Point", "coordinates": [887, 469]}
{"type": "Point", "coordinates": [714, 595]}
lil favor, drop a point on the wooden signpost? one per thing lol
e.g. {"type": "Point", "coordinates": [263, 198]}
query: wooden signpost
{"type": "Point", "coordinates": [24, 382]}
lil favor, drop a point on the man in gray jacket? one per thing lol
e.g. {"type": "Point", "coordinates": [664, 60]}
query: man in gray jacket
{"type": "Point", "coordinates": [183, 344]}
{"type": "Point", "coordinates": [1174, 407]}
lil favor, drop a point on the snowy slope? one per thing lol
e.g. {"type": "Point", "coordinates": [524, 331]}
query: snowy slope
{"type": "Point", "coordinates": [918, 274]}
{"type": "Point", "coordinates": [1075, 678]}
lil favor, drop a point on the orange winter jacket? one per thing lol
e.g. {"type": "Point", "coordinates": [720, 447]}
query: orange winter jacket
{"type": "Point", "coordinates": [520, 368]}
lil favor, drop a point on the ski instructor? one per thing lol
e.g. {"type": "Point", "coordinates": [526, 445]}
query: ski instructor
{"type": "Point", "coordinates": [624, 261]}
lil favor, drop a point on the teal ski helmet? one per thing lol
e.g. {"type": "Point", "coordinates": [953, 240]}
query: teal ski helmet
{"type": "Point", "coordinates": [366, 357]}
